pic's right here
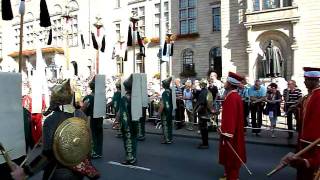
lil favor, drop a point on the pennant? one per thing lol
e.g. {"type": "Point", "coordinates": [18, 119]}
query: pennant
{"type": "Point", "coordinates": [103, 44]}
{"type": "Point", "coordinates": [6, 10]}
{"type": "Point", "coordinates": [75, 67]}
{"type": "Point", "coordinates": [94, 41]}
{"type": "Point", "coordinates": [129, 40]}
{"type": "Point", "coordinates": [50, 37]}
{"type": "Point", "coordinates": [165, 49]}
{"type": "Point", "coordinates": [171, 49]}
{"type": "Point", "coordinates": [44, 14]}
{"type": "Point", "coordinates": [139, 39]}
{"type": "Point", "coordinates": [126, 56]}
{"type": "Point", "coordinates": [82, 41]}
{"type": "Point", "coordinates": [142, 51]}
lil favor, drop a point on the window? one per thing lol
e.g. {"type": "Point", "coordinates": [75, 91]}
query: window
{"type": "Point", "coordinates": [187, 16]}
{"type": "Point", "coordinates": [140, 11]}
{"type": "Point", "coordinates": [117, 4]}
{"type": "Point", "coordinates": [215, 62]}
{"type": "Point", "coordinates": [216, 19]}
{"type": "Point", "coordinates": [270, 4]}
{"type": "Point", "coordinates": [157, 17]}
{"type": "Point", "coordinates": [118, 31]}
{"type": "Point", "coordinates": [187, 59]}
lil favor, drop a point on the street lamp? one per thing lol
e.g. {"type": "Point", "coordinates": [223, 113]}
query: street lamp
{"type": "Point", "coordinates": [98, 25]}
{"type": "Point", "coordinates": [134, 19]}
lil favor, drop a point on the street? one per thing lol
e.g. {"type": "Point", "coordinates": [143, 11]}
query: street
{"type": "Point", "coordinates": [182, 160]}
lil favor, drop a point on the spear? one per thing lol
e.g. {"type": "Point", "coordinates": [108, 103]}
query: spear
{"type": "Point", "coordinates": [21, 12]}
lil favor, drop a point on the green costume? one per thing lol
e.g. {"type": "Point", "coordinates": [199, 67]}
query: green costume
{"type": "Point", "coordinates": [129, 128]}
{"type": "Point", "coordinates": [96, 124]}
{"type": "Point", "coordinates": [116, 101]}
{"type": "Point", "coordinates": [142, 125]}
{"type": "Point", "coordinates": [166, 114]}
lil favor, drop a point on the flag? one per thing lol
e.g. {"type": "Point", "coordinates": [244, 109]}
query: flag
{"type": "Point", "coordinates": [139, 39]}
{"type": "Point", "coordinates": [82, 41]}
{"type": "Point", "coordinates": [129, 40]}
{"type": "Point", "coordinates": [94, 41]}
{"type": "Point", "coordinates": [6, 10]}
{"type": "Point", "coordinates": [171, 49]}
{"type": "Point", "coordinates": [126, 56]}
{"type": "Point", "coordinates": [39, 83]}
{"type": "Point", "coordinates": [165, 49]}
{"type": "Point", "coordinates": [44, 14]}
{"type": "Point", "coordinates": [50, 37]}
{"type": "Point", "coordinates": [75, 67]}
{"type": "Point", "coordinates": [103, 44]}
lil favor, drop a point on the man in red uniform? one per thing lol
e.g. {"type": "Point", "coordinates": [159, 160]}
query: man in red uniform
{"type": "Point", "coordinates": [36, 123]}
{"type": "Point", "coordinates": [232, 132]}
{"type": "Point", "coordinates": [308, 163]}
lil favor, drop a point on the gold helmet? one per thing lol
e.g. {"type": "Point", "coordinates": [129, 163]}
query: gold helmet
{"type": "Point", "coordinates": [62, 94]}
{"type": "Point", "coordinates": [71, 142]}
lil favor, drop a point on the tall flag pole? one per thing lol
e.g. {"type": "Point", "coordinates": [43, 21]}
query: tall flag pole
{"type": "Point", "coordinates": [134, 19]}
{"type": "Point", "coordinates": [98, 24]}
{"type": "Point", "coordinates": [68, 17]}
{"type": "Point", "coordinates": [21, 12]}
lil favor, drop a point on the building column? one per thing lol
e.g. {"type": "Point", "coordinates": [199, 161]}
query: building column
{"type": "Point", "coordinates": [249, 6]}
{"type": "Point", "coordinates": [251, 57]}
{"type": "Point", "coordinates": [297, 69]}
{"type": "Point", "coordinates": [225, 39]}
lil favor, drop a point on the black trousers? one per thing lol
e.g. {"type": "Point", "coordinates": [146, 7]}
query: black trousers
{"type": "Point", "coordinates": [256, 116]}
{"type": "Point", "coordinates": [96, 125]}
{"type": "Point", "coordinates": [246, 113]}
{"type": "Point", "coordinates": [180, 119]}
{"type": "Point", "coordinates": [203, 126]}
{"type": "Point", "coordinates": [289, 122]}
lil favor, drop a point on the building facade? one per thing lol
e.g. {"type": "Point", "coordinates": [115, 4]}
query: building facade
{"type": "Point", "coordinates": [233, 35]}
{"type": "Point", "coordinates": [72, 38]}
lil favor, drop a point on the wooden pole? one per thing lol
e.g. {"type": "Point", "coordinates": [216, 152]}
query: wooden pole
{"type": "Point", "coordinates": [21, 42]}
{"type": "Point", "coordinates": [304, 150]}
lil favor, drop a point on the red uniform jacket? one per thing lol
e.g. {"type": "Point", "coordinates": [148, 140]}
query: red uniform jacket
{"type": "Point", "coordinates": [232, 123]}
{"type": "Point", "coordinates": [310, 130]}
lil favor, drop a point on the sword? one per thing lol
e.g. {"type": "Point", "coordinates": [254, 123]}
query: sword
{"type": "Point", "coordinates": [234, 151]}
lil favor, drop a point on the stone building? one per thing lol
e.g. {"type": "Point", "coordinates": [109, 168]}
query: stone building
{"type": "Point", "coordinates": [232, 36]}
{"type": "Point", "coordinates": [75, 33]}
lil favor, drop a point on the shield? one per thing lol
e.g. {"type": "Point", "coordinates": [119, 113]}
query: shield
{"type": "Point", "coordinates": [71, 143]}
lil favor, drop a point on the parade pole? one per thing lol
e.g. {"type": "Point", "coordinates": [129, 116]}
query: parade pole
{"type": "Point", "coordinates": [21, 11]}
{"type": "Point", "coordinates": [161, 31]}
{"type": "Point", "coordinates": [98, 25]}
{"type": "Point", "coordinates": [134, 19]}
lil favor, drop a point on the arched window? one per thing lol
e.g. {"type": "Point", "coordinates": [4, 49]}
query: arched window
{"type": "Point", "coordinates": [188, 65]}
{"type": "Point", "coordinates": [57, 9]}
{"type": "Point", "coordinates": [215, 63]}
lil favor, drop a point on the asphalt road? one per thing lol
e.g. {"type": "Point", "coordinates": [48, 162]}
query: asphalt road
{"type": "Point", "coordinates": [183, 161]}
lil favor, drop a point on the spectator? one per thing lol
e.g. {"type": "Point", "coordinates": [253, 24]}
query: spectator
{"type": "Point", "coordinates": [273, 100]}
{"type": "Point", "coordinates": [180, 104]}
{"type": "Point", "coordinates": [214, 91]}
{"type": "Point", "coordinates": [291, 96]}
{"type": "Point", "coordinates": [187, 97]}
{"type": "Point", "coordinates": [195, 94]}
{"type": "Point", "coordinates": [257, 95]}
{"type": "Point", "coordinates": [243, 92]}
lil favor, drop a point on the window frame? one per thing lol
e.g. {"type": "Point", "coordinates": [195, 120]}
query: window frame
{"type": "Point", "coordinates": [187, 59]}
{"type": "Point", "coordinates": [213, 18]}
{"type": "Point", "coordinates": [188, 19]}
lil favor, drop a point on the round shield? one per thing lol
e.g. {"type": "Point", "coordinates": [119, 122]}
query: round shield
{"type": "Point", "coordinates": [71, 143]}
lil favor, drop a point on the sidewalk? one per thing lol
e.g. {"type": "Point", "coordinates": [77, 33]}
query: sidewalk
{"type": "Point", "coordinates": [264, 138]}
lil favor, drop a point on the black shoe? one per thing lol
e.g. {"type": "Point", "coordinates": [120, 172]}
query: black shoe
{"type": "Point", "coordinates": [141, 138]}
{"type": "Point", "coordinates": [201, 146]}
{"type": "Point", "coordinates": [258, 134]}
{"type": "Point", "coordinates": [129, 162]}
